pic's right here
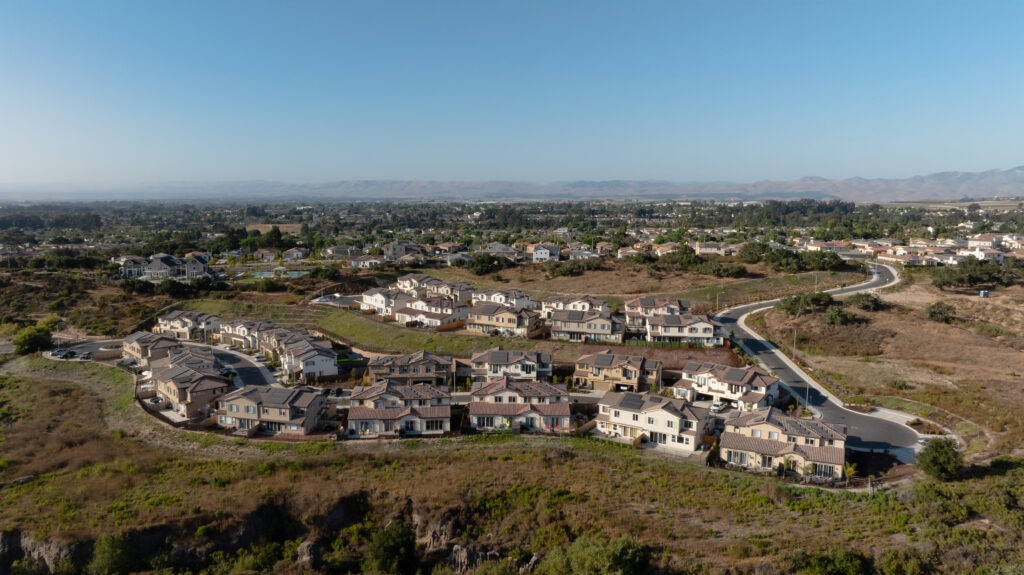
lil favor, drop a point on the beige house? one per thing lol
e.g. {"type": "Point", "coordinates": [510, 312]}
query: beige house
{"type": "Point", "coordinates": [573, 303]}
{"type": "Point", "coordinates": [769, 440]}
{"type": "Point", "coordinates": [144, 347]}
{"type": "Point", "coordinates": [672, 424]}
{"type": "Point", "coordinates": [190, 392]}
{"type": "Point", "coordinates": [411, 368]}
{"type": "Point", "coordinates": [188, 324]}
{"type": "Point", "coordinates": [255, 408]}
{"type": "Point", "coordinates": [685, 328]}
{"type": "Point", "coordinates": [508, 403]}
{"type": "Point", "coordinates": [391, 408]}
{"type": "Point", "coordinates": [607, 371]}
{"type": "Point", "coordinates": [494, 318]}
{"type": "Point", "coordinates": [496, 362]}
{"type": "Point", "coordinates": [594, 326]}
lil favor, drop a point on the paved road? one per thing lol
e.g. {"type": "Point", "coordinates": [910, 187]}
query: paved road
{"type": "Point", "coordinates": [863, 431]}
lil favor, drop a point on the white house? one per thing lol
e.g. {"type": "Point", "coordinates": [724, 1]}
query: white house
{"type": "Point", "coordinates": [523, 365]}
{"type": "Point", "coordinates": [391, 409]}
{"type": "Point", "coordinates": [508, 403]}
{"type": "Point", "coordinates": [749, 387]}
{"type": "Point", "coordinates": [671, 424]}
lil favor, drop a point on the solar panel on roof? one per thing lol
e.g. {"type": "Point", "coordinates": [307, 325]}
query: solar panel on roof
{"type": "Point", "coordinates": [632, 401]}
{"type": "Point", "coordinates": [603, 360]}
{"type": "Point", "coordinates": [735, 374]}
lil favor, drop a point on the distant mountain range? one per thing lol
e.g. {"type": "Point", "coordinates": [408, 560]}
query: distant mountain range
{"type": "Point", "coordinates": [940, 186]}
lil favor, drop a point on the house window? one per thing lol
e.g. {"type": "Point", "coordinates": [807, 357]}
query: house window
{"type": "Point", "coordinates": [755, 433]}
{"type": "Point", "coordinates": [773, 435]}
{"type": "Point", "coordinates": [605, 409]}
{"type": "Point", "coordinates": [636, 417]}
{"type": "Point", "coordinates": [670, 424]}
{"type": "Point", "coordinates": [511, 399]}
{"type": "Point", "coordinates": [737, 457]}
{"type": "Point", "coordinates": [435, 425]}
{"type": "Point", "coordinates": [497, 399]}
{"type": "Point", "coordinates": [485, 421]}
{"type": "Point", "coordinates": [233, 408]}
{"type": "Point", "coordinates": [616, 414]}
{"type": "Point", "coordinates": [791, 439]}
{"type": "Point", "coordinates": [410, 425]}
{"type": "Point", "coordinates": [650, 421]}
{"type": "Point", "coordinates": [808, 441]}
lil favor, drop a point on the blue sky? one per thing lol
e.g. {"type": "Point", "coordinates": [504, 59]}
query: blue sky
{"type": "Point", "coordinates": [113, 93]}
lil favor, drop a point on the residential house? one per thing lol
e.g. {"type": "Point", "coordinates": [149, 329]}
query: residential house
{"type": "Point", "coordinates": [523, 365]}
{"type": "Point", "coordinates": [576, 255]}
{"type": "Point", "coordinates": [130, 267]}
{"type": "Point", "coordinates": [712, 248]}
{"type": "Point", "coordinates": [384, 301]}
{"type": "Point", "coordinates": [748, 387]}
{"type": "Point", "coordinates": [607, 371]}
{"type": "Point", "coordinates": [988, 241]}
{"type": "Point", "coordinates": [393, 251]}
{"type": "Point", "coordinates": [191, 392]}
{"type": "Point", "coordinates": [303, 356]}
{"type": "Point", "coordinates": [450, 248]}
{"type": "Point", "coordinates": [144, 347]}
{"type": "Point", "coordinates": [512, 298]}
{"type": "Point", "coordinates": [670, 424]}
{"type": "Point", "coordinates": [431, 312]}
{"type": "Point", "coordinates": [391, 408]}
{"type": "Point", "coordinates": [498, 319]}
{"type": "Point", "coordinates": [416, 367]}
{"type": "Point", "coordinates": [188, 324]}
{"type": "Point", "coordinates": [510, 403]}
{"type": "Point", "coordinates": [164, 266]}
{"type": "Point", "coordinates": [685, 328]}
{"type": "Point", "coordinates": [665, 249]}
{"type": "Point", "coordinates": [541, 253]}
{"type": "Point", "coordinates": [500, 250]}
{"type": "Point", "coordinates": [265, 254]}
{"type": "Point", "coordinates": [416, 284]}
{"type": "Point", "coordinates": [589, 326]}
{"type": "Point", "coordinates": [366, 262]}
{"type": "Point", "coordinates": [769, 440]}
{"type": "Point", "coordinates": [604, 248]}
{"type": "Point", "coordinates": [337, 252]}
{"type": "Point", "coordinates": [244, 333]}
{"type": "Point", "coordinates": [255, 408]}
{"type": "Point", "coordinates": [572, 302]}
{"type": "Point", "coordinates": [640, 309]}
{"type": "Point", "coordinates": [294, 254]}
{"type": "Point", "coordinates": [628, 252]}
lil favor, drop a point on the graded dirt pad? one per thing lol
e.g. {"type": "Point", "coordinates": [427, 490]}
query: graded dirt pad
{"type": "Point", "coordinates": [949, 367]}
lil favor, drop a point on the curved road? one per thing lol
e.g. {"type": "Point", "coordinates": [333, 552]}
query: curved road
{"type": "Point", "coordinates": [864, 432]}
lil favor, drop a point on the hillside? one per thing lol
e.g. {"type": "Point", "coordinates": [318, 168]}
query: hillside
{"type": "Point", "coordinates": [126, 494]}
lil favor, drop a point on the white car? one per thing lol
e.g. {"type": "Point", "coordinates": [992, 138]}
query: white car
{"type": "Point", "coordinates": [717, 407]}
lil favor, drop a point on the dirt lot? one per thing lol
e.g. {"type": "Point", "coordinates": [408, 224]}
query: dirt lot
{"type": "Point", "coordinates": [967, 377]}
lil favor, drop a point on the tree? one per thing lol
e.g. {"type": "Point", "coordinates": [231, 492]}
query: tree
{"type": "Point", "coordinates": [111, 555]}
{"type": "Point", "coordinates": [941, 312]}
{"type": "Point", "coordinates": [866, 301]}
{"type": "Point", "coordinates": [32, 339]}
{"type": "Point", "coordinates": [941, 459]}
{"type": "Point", "coordinates": [837, 316]}
{"type": "Point", "coordinates": [392, 550]}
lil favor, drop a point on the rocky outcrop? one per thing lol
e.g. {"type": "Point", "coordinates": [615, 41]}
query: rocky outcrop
{"type": "Point", "coordinates": [52, 553]}
{"type": "Point", "coordinates": [464, 559]}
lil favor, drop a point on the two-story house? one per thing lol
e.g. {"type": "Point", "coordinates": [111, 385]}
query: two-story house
{"type": "Point", "coordinates": [523, 365]}
{"type": "Point", "coordinates": [748, 387]}
{"type": "Point", "coordinates": [510, 403]}
{"type": "Point", "coordinates": [367, 261]}
{"type": "Point", "coordinates": [769, 440]}
{"type": "Point", "coordinates": [431, 311]}
{"type": "Point", "coordinates": [191, 392]}
{"type": "Point", "coordinates": [607, 371]}
{"type": "Point", "coordinates": [600, 326]}
{"type": "Point", "coordinates": [391, 408]}
{"type": "Point", "coordinates": [143, 347]}
{"type": "Point", "coordinates": [384, 301]}
{"type": "Point", "coordinates": [416, 367]}
{"type": "Point", "coordinates": [641, 309]}
{"type": "Point", "coordinates": [188, 324]}
{"type": "Point", "coordinates": [512, 298]}
{"type": "Point", "coordinates": [672, 424]}
{"type": "Point", "coordinates": [685, 328]}
{"type": "Point", "coordinates": [255, 408]}
{"type": "Point", "coordinates": [573, 303]}
{"type": "Point", "coordinates": [244, 333]}
{"type": "Point", "coordinates": [541, 253]}
{"type": "Point", "coordinates": [499, 319]}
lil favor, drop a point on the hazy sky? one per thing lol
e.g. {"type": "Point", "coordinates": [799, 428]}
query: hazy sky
{"type": "Point", "coordinates": [97, 93]}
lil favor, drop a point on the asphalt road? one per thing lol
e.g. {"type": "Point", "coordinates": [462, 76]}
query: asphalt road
{"type": "Point", "coordinates": [864, 431]}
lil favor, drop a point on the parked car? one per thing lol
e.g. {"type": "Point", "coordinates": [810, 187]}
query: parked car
{"type": "Point", "coordinates": [259, 357]}
{"type": "Point", "coordinates": [717, 407]}
{"type": "Point", "coordinates": [86, 355]}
